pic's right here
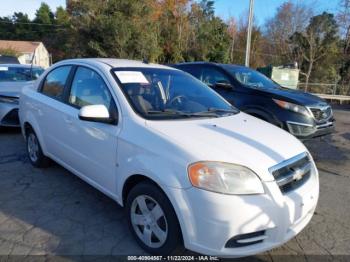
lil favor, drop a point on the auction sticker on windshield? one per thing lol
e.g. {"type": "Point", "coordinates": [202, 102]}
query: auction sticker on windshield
{"type": "Point", "coordinates": [3, 68]}
{"type": "Point", "coordinates": [131, 77]}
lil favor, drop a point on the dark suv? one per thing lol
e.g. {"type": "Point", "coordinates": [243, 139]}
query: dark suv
{"type": "Point", "coordinates": [302, 114]}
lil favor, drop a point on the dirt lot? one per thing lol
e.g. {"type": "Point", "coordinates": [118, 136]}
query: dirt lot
{"type": "Point", "coordinates": [52, 212]}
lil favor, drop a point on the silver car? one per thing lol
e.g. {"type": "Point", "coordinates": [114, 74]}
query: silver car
{"type": "Point", "coordinates": [12, 78]}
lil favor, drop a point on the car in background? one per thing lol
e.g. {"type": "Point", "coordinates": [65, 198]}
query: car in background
{"type": "Point", "coordinates": [189, 168]}
{"type": "Point", "coordinates": [302, 114]}
{"type": "Point", "coordinates": [12, 79]}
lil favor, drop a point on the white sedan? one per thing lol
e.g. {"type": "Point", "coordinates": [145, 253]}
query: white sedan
{"type": "Point", "coordinates": [190, 169]}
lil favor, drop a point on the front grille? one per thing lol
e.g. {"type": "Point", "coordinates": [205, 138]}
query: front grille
{"type": "Point", "coordinates": [11, 118]}
{"type": "Point", "coordinates": [321, 114]}
{"type": "Point", "coordinates": [292, 173]}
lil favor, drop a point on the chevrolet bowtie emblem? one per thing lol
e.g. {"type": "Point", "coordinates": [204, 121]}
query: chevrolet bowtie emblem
{"type": "Point", "coordinates": [298, 174]}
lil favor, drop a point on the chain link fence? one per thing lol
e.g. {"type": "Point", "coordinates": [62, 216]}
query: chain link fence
{"type": "Point", "coordinates": [329, 89]}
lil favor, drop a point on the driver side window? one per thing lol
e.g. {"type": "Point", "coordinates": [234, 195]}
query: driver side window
{"type": "Point", "coordinates": [210, 76]}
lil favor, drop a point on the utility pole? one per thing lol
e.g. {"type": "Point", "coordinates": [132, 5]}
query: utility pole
{"type": "Point", "coordinates": [249, 33]}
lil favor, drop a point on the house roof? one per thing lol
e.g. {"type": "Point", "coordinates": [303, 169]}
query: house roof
{"type": "Point", "coordinates": [19, 46]}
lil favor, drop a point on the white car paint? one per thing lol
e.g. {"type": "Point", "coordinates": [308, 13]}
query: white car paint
{"type": "Point", "coordinates": [105, 156]}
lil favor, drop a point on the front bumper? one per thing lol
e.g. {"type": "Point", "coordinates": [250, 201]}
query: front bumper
{"type": "Point", "coordinates": [9, 115]}
{"type": "Point", "coordinates": [307, 131]}
{"type": "Point", "coordinates": [210, 220]}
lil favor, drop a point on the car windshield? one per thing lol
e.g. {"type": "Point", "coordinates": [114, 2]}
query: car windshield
{"type": "Point", "coordinates": [251, 78]}
{"type": "Point", "coordinates": [19, 74]}
{"type": "Point", "coordinates": [167, 93]}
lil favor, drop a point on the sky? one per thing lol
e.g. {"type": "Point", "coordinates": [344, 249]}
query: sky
{"type": "Point", "coordinates": [263, 9]}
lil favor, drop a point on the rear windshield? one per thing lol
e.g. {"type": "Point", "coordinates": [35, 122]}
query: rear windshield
{"type": "Point", "coordinates": [19, 74]}
{"type": "Point", "coordinates": [166, 94]}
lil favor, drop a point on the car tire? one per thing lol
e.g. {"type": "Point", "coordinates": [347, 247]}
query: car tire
{"type": "Point", "coordinates": [152, 220]}
{"type": "Point", "coordinates": [34, 151]}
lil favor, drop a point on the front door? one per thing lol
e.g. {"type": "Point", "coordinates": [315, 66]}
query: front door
{"type": "Point", "coordinates": [93, 145]}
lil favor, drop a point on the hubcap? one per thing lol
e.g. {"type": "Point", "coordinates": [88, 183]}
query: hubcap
{"type": "Point", "coordinates": [33, 147]}
{"type": "Point", "coordinates": [149, 221]}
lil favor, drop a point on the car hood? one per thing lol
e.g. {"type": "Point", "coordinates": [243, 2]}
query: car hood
{"type": "Point", "coordinates": [12, 88]}
{"type": "Point", "coordinates": [296, 96]}
{"type": "Point", "coordinates": [240, 139]}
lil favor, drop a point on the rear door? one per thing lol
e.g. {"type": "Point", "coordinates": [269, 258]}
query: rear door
{"type": "Point", "coordinates": [49, 107]}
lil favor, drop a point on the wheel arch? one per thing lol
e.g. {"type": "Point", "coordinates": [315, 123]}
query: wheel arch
{"type": "Point", "coordinates": [263, 115]}
{"type": "Point", "coordinates": [135, 179]}
{"type": "Point", "coordinates": [29, 125]}
{"type": "Point", "coordinates": [132, 181]}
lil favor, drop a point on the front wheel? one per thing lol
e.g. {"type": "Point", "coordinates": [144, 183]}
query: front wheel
{"type": "Point", "coordinates": [35, 153]}
{"type": "Point", "coordinates": [152, 220]}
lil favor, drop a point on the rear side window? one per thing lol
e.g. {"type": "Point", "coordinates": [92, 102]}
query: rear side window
{"type": "Point", "coordinates": [55, 82]}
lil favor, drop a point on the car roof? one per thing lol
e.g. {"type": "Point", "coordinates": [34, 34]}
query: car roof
{"type": "Point", "coordinates": [19, 65]}
{"type": "Point", "coordinates": [116, 63]}
{"type": "Point", "coordinates": [209, 63]}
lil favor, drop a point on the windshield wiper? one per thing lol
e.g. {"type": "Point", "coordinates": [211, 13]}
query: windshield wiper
{"type": "Point", "coordinates": [223, 110]}
{"type": "Point", "coordinates": [182, 113]}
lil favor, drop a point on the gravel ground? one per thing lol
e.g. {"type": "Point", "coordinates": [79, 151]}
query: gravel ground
{"type": "Point", "coordinates": [50, 212]}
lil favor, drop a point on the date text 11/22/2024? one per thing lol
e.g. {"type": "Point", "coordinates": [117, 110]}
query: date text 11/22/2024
{"type": "Point", "coordinates": [172, 258]}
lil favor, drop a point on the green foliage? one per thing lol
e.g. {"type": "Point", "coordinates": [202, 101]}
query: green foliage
{"type": "Point", "coordinates": [170, 31]}
{"type": "Point", "coordinates": [44, 15]}
{"type": "Point", "coordinates": [112, 29]}
{"type": "Point", "coordinates": [9, 52]}
{"type": "Point", "coordinates": [318, 44]}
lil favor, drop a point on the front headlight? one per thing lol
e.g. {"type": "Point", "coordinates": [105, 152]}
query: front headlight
{"type": "Point", "coordinates": [8, 99]}
{"type": "Point", "coordinates": [224, 178]}
{"type": "Point", "coordinates": [292, 107]}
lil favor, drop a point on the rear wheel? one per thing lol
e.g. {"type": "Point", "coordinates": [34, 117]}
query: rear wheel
{"type": "Point", "coordinates": [35, 153]}
{"type": "Point", "coordinates": [152, 220]}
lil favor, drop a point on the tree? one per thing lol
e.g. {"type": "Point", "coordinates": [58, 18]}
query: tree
{"type": "Point", "coordinates": [210, 40]}
{"type": "Point", "coordinates": [60, 41]}
{"type": "Point", "coordinates": [173, 25]}
{"type": "Point", "coordinates": [257, 43]}
{"type": "Point", "coordinates": [114, 28]}
{"type": "Point", "coordinates": [232, 31]}
{"type": "Point", "coordinates": [22, 27]}
{"type": "Point", "coordinates": [290, 17]}
{"type": "Point", "coordinates": [44, 15]}
{"type": "Point", "coordinates": [9, 52]}
{"type": "Point", "coordinates": [318, 41]}
{"type": "Point", "coordinates": [16, 27]}
{"type": "Point", "coordinates": [343, 18]}
{"type": "Point", "coordinates": [43, 22]}
{"type": "Point", "coordinates": [61, 16]}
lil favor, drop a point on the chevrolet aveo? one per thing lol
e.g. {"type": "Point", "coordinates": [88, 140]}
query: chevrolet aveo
{"type": "Point", "coordinates": [190, 169]}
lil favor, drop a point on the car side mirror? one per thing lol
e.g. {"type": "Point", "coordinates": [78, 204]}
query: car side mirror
{"type": "Point", "coordinates": [95, 113]}
{"type": "Point", "coordinates": [223, 85]}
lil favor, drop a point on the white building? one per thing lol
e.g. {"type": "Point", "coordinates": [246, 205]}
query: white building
{"type": "Point", "coordinates": [27, 50]}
